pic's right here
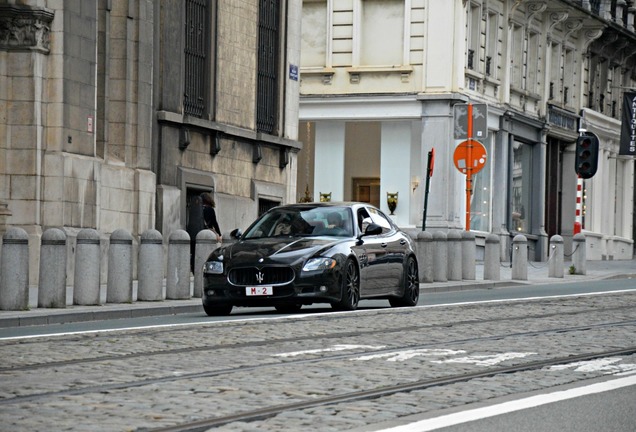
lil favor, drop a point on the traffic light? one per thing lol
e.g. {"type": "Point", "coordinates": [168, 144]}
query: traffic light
{"type": "Point", "coordinates": [586, 160]}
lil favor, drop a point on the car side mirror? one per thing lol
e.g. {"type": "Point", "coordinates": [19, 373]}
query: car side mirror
{"type": "Point", "coordinates": [236, 233]}
{"type": "Point", "coordinates": [373, 229]}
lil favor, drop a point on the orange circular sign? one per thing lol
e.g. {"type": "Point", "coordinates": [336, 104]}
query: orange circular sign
{"type": "Point", "coordinates": [470, 154]}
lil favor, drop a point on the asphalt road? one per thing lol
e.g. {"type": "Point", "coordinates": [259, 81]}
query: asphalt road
{"type": "Point", "coordinates": [426, 299]}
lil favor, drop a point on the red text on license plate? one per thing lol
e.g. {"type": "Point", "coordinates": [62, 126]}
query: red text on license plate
{"type": "Point", "coordinates": [260, 290]}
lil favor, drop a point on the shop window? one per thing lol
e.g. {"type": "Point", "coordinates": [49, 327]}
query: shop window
{"type": "Point", "coordinates": [481, 199]}
{"type": "Point", "coordinates": [521, 187]}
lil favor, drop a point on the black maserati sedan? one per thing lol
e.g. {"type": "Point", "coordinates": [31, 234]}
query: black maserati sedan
{"type": "Point", "coordinates": [300, 254]}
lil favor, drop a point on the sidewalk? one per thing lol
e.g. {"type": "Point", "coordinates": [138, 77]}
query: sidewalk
{"type": "Point", "coordinates": [537, 275]}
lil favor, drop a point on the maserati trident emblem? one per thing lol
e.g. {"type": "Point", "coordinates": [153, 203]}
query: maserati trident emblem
{"type": "Point", "coordinates": [260, 277]}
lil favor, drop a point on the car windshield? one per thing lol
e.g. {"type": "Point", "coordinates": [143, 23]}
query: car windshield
{"type": "Point", "coordinates": [302, 222]}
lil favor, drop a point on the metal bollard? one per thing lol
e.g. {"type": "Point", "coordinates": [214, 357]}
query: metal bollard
{"type": "Point", "coordinates": [579, 255]}
{"type": "Point", "coordinates": [52, 280]}
{"type": "Point", "coordinates": [440, 257]}
{"type": "Point", "coordinates": [87, 268]}
{"type": "Point", "coordinates": [520, 257]}
{"type": "Point", "coordinates": [205, 245]}
{"type": "Point", "coordinates": [492, 258]}
{"type": "Point", "coordinates": [454, 242]}
{"type": "Point", "coordinates": [555, 268]}
{"type": "Point", "coordinates": [178, 272]}
{"type": "Point", "coordinates": [469, 250]}
{"type": "Point", "coordinates": [14, 270]}
{"type": "Point", "coordinates": [119, 288]}
{"type": "Point", "coordinates": [424, 252]}
{"type": "Point", "coordinates": [150, 268]}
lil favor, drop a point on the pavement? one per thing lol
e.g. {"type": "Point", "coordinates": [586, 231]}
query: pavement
{"type": "Point", "coordinates": [537, 275]}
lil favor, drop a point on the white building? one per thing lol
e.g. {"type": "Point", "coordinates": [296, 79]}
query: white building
{"type": "Point", "coordinates": [380, 80]}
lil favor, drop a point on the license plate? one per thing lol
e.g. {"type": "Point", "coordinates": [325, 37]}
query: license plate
{"type": "Point", "coordinates": [259, 291]}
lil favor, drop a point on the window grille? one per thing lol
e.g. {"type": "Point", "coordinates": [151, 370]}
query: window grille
{"type": "Point", "coordinates": [488, 65]}
{"type": "Point", "coordinates": [268, 54]}
{"type": "Point", "coordinates": [471, 57]}
{"type": "Point", "coordinates": [196, 46]}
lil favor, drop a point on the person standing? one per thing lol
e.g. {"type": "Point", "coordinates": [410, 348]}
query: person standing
{"type": "Point", "coordinates": [209, 215]}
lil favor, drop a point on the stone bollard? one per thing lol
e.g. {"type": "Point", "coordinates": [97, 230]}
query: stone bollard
{"type": "Point", "coordinates": [86, 288]}
{"type": "Point", "coordinates": [454, 242]}
{"type": "Point", "coordinates": [178, 271]}
{"type": "Point", "coordinates": [555, 269]}
{"type": "Point", "coordinates": [469, 250]}
{"type": "Point", "coordinates": [119, 288]}
{"type": "Point", "coordinates": [52, 280]}
{"type": "Point", "coordinates": [205, 245]}
{"type": "Point", "coordinates": [579, 255]}
{"type": "Point", "coordinates": [440, 257]}
{"type": "Point", "coordinates": [14, 270]}
{"type": "Point", "coordinates": [150, 267]}
{"type": "Point", "coordinates": [492, 258]}
{"type": "Point", "coordinates": [520, 257]}
{"type": "Point", "coordinates": [424, 250]}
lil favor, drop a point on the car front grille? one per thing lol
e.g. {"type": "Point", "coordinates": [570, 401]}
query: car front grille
{"type": "Point", "coordinates": [254, 276]}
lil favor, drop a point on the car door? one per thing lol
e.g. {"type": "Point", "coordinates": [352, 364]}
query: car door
{"type": "Point", "coordinates": [389, 258]}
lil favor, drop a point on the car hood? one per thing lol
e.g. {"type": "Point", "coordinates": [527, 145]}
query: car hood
{"type": "Point", "coordinates": [274, 250]}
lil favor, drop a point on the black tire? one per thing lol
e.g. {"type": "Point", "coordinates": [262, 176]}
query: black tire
{"type": "Point", "coordinates": [218, 310]}
{"type": "Point", "coordinates": [410, 286]}
{"type": "Point", "coordinates": [350, 288]}
{"type": "Point", "coordinates": [288, 307]}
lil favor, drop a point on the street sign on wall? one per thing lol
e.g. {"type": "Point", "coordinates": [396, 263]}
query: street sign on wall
{"type": "Point", "coordinates": [460, 121]}
{"type": "Point", "coordinates": [628, 125]}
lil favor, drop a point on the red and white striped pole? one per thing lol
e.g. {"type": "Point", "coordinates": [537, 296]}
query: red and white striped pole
{"type": "Point", "coordinates": [578, 219]}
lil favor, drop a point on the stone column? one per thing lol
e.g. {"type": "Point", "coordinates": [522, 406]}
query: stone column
{"type": "Point", "coordinates": [52, 284]}
{"type": "Point", "coordinates": [86, 286]}
{"type": "Point", "coordinates": [454, 242]}
{"type": "Point", "coordinates": [150, 268]}
{"type": "Point", "coordinates": [424, 246]}
{"type": "Point", "coordinates": [555, 268]}
{"type": "Point", "coordinates": [205, 245]}
{"type": "Point", "coordinates": [579, 254]}
{"type": "Point", "coordinates": [469, 250]}
{"type": "Point", "coordinates": [14, 270]}
{"type": "Point", "coordinates": [178, 271]}
{"type": "Point", "coordinates": [520, 257]}
{"type": "Point", "coordinates": [119, 288]}
{"type": "Point", "coordinates": [492, 258]}
{"type": "Point", "coordinates": [440, 257]}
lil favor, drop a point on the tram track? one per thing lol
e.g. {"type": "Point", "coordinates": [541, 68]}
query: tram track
{"type": "Point", "coordinates": [299, 362]}
{"type": "Point", "coordinates": [202, 425]}
{"type": "Point", "coordinates": [335, 335]}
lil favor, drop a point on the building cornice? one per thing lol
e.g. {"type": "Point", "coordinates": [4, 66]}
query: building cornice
{"type": "Point", "coordinates": [25, 27]}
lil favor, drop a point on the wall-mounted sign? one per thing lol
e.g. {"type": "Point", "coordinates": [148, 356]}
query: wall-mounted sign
{"type": "Point", "coordinates": [293, 72]}
{"type": "Point", "coordinates": [628, 125]}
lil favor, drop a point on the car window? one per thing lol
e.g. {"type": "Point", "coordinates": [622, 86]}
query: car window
{"type": "Point", "coordinates": [381, 220]}
{"type": "Point", "coordinates": [316, 221]}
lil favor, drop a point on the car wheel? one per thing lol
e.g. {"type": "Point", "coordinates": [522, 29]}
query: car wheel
{"type": "Point", "coordinates": [350, 288]}
{"type": "Point", "coordinates": [410, 286]}
{"type": "Point", "coordinates": [218, 310]}
{"type": "Point", "coordinates": [288, 307]}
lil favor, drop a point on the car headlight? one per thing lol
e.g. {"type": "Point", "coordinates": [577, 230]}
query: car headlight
{"type": "Point", "coordinates": [319, 264]}
{"type": "Point", "coordinates": [213, 267]}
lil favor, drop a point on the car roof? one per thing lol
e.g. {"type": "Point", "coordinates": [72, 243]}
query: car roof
{"type": "Point", "coordinates": [350, 204]}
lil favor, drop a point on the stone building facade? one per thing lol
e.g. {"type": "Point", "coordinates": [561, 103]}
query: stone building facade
{"type": "Point", "coordinates": [386, 82]}
{"type": "Point", "coordinates": [114, 114]}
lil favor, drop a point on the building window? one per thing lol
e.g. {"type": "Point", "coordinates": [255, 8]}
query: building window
{"type": "Point", "coordinates": [196, 52]}
{"type": "Point", "coordinates": [521, 187]}
{"type": "Point", "coordinates": [481, 199]}
{"type": "Point", "coordinates": [268, 66]}
{"type": "Point", "coordinates": [473, 37]}
{"type": "Point", "coordinates": [492, 44]}
{"type": "Point", "coordinates": [313, 49]}
{"type": "Point", "coordinates": [386, 47]}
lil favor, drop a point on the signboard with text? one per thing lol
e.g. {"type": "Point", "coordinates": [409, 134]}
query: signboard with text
{"type": "Point", "coordinates": [628, 125]}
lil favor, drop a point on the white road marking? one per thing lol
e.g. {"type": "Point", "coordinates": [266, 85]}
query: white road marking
{"type": "Point", "coordinates": [486, 360]}
{"type": "Point", "coordinates": [507, 407]}
{"type": "Point", "coordinates": [607, 366]}
{"type": "Point", "coordinates": [409, 354]}
{"type": "Point", "coordinates": [330, 349]}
